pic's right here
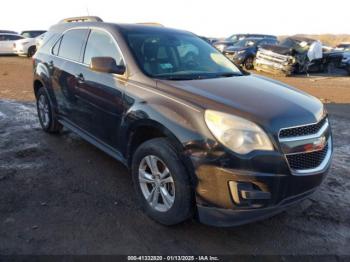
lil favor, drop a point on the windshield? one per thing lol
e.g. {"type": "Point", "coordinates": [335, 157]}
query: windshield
{"type": "Point", "coordinates": [246, 42]}
{"type": "Point", "coordinates": [233, 38]}
{"type": "Point", "coordinates": [32, 34]}
{"type": "Point", "coordinates": [177, 56]}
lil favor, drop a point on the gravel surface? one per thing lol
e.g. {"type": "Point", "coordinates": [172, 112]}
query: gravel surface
{"type": "Point", "coordinates": [61, 195]}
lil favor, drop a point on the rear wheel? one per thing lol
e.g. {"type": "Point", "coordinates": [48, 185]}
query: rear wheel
{"type": "Point", "coordinates": [161, 182]}
{"type": "Point", "coordinates": [48, 120]}
{"type": "Point", "coordinates": [31, 51]}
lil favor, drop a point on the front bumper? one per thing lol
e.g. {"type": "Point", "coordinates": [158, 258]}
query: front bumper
{"type": "Point", "coordinates": [19, 50]}
{"type": "Point", "coordinates": [227, 218]}
{"type": "Point", "coordinates": [234, 189]}
{"type": "Point", "coordinates": [221, 203]}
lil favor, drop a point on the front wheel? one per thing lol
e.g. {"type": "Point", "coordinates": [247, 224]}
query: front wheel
{"type": "Point", "coordinates": [249, 63]}
{"type": "Point", "coordinates": [161, 182]}
{"type": "Point", "coordinates": [330, 68]}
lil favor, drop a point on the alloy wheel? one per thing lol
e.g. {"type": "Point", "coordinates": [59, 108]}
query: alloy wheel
{"type": "Point", "coordinates": [43, 110]}
{"type": "Point", "coordinates": [156, 183]}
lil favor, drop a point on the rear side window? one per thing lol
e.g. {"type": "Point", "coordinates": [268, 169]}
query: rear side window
{"type": "Point", "coordinates": [100, 44]}
{"type": "Point", "coordinates": [72, 43]}
{"type": "Point", "coordinates": [9, 37]}
{"type": "Point", "coordinates": [15, 37]}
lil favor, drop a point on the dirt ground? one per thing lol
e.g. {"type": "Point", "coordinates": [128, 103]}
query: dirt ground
{"type": "Point", "coordinates": [16, 75]}
{"type": "Point", "coordinates": [61, 195]}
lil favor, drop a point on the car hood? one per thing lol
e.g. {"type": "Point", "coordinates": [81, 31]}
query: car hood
{"type": "Point", "coordinates": [279, 49]}
{"type": "Point", "coordinates": [235, 49]}
{"type": "Point", "coordinates": [267, 102]}
{"type": "Point", "coordinates": [223, 42]}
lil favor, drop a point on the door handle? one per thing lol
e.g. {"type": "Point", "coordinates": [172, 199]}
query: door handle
{"type": "Point", "coordinates": [80, 78]}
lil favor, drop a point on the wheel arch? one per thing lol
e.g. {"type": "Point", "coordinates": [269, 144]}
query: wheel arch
{"type": "Point", "coordinates": [144, 130]}
{"type": "Point", "coordinates": [147, 129]}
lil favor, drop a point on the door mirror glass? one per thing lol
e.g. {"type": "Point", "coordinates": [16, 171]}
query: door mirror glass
{"type": "Point", "coordinates": [106, 65]}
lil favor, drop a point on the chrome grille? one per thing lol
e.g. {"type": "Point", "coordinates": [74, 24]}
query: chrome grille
{"type": "Point", "coordinates": [307, 160]}
{"type": "Point", "coordinates": [304, 148]}
{"type": "Point", "coordinates": [302, 130]}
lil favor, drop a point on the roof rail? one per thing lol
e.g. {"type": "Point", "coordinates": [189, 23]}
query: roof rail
{"type": "Point", "coordinates": [151, 23]}
{"type": "Point", "coordinates": [81, 19]}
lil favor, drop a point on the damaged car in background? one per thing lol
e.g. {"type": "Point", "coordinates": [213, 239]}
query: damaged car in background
{"type": "Point", "coordinates": [296, 55]}
{"type": "Point", "coordinates": [221, 45]}
{"type": "Point", "coordinates": [244, 51]}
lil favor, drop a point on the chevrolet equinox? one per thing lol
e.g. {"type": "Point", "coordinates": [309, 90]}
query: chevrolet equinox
{"type": "Point", "coordinates": [202, 138]}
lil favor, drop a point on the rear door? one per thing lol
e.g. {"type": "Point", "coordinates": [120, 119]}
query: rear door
{"type": "Point", "coordinates": [6, 45]}
{"type": "Point", "coordinates": [9, 45]}
{"type": "Point", "coordinates": [101, 94]}
{"type": "Point", "coordinates": [66, 66]}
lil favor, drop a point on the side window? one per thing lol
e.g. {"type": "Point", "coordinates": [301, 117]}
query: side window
{"type": "Point", "coordinates": [5, 38]}
{"type": "Point", "coordinates": [72, 43]}
{"type": "Point", "coordinates": [101, 44]}
{"type": "Point", "coordinates": [56, 47]}
{"type": "Point", "coordinates": [14, 37]}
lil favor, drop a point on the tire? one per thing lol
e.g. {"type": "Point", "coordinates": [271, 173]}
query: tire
{"type": "Point", "coordinates": [47, 119]}
{"type": "Point", "coordinates": [330, 68]}
{"type": "Point", "coordinates": [249, 63]}
{"type": "Point", "coordinates": [31, 51]}
{"type": "Point", "coordinates": [161, 151]}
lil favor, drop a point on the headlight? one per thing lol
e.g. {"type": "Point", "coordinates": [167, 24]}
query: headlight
{"type": "Point", "coordinates": [220, 47]}
{"type": "Point", "coordinates": [239, 135]}
{"type": "Point", "coordinates": [240, 52]}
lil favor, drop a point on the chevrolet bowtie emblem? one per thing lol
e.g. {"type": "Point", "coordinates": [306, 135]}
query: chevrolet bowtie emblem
{"type": "Point", "coordinates": [317, 145]}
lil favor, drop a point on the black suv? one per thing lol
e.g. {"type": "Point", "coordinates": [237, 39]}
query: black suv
{"type": "Point", "coordinates": [244, 51]}
{"type": "Point", "coordinates": [202, 139]}
{"type": "Point", "coordinates": [221, 45]}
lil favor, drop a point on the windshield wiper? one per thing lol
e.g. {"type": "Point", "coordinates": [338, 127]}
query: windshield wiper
{"type": "Point", "coordinates": [182, 77]}
{"type": "Point", "coordinates": [228, 74]}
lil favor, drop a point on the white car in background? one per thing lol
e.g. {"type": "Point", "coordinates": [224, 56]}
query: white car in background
{"type": "Point", "coordinates": [6, 42]}
{"type": "Point", "coordinates": [27, 46]}
{"type": "Point", "coordinates": [39, 41]}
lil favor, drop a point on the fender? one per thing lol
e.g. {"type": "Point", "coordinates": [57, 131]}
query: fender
{"type": "Point", "coordinates": [43, 75]}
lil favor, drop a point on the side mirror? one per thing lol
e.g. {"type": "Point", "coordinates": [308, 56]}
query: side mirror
{"type": "Point", "coordinates": [106, 65]}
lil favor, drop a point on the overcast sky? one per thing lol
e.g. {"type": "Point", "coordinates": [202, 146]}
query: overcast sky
{"type": "Point", "coordinates": [208, 18]}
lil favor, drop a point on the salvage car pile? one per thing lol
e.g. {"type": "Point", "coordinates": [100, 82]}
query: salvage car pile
{"type": "Point", "coordinates": [297, 55]}
{"type": "Point", "coordinates": [293, 55]}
